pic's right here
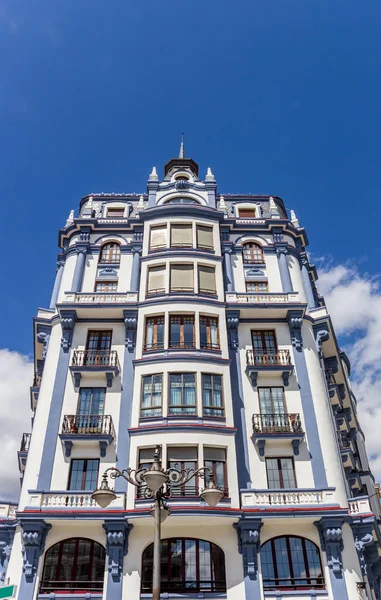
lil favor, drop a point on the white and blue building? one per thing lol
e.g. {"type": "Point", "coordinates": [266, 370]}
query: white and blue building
{"type": "Point", "coordinates": [191, 320]}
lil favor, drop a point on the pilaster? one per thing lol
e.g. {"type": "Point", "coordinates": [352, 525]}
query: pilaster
{"type": "Point", "coordinates": [281, 250]}
{"type": "Point", "coordinates": [117, 533]}
{"type": "Point", "coordinates": [34, 534]}
{"type": "Point", "coordinates": [241, 443]}
{"type": "Point", "coordinates": [331, 540]}
{"type": "Point", "coordinates": [307, 281]}
{"type": "Point", "coordinates": [248, 534]}
{"type": "Point", "coordinates": [227, 251]}
{"type": "Point", "coordinates": [57, 281]}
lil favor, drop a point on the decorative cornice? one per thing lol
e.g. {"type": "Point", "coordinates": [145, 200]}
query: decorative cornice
{"type": "Point", "coordinates": [295, 321]}
{"type": "Point", "coordinates": [33, 543]}
{"type": "Point", "coordinates": [117, 533]}
{"type": "Point", "coordinates": [248, 534]}
{"type": "Point", "coordinates": [68, 319]}
{"type": "Point", "coordinates": [232, 322]}
{"type": "Point", "coordinates": [130, 322]}
{"type": "Point", "coordinates": [363, 536]}
{"type": "Point", "coordinates": [331, 539]}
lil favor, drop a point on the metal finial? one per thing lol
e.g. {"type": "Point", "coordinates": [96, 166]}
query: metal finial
{"type": "Point", "coordinates": [181, 153]}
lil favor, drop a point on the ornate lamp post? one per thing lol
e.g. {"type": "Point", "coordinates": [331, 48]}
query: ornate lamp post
{"type": "Point", "coordinates": [159, 484]}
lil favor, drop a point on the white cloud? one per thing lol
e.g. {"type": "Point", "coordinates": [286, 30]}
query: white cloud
{"type": "Point", "coordinates": [354, 301]}
{"type": "Point", "coordinates": [16, 373]}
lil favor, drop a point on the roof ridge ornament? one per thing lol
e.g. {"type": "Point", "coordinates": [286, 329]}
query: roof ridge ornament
{"type": "Point", "coordinates": [70, 218]}
{"type": "Point", "coordinates": [209, 175]}
{"type": "Point", "coordinates": [181, 153]}
{"type": "Point", "coordinates": [274, 214]}
{"type": "Point", "coordinates": [153, 175]}
{"type": "Point", "coordinates": [294, 219]}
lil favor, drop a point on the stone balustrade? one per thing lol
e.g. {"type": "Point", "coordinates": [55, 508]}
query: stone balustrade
{"type": "Point", "coordinates": [286, 497]}
{"type": "Point", "coordinates": [360, 505]}
{"type": "Point", "coordinates": [259, 298]}
{"type": "Point", "coordinates": [100, 297]}
{"type": "Point", "coordinates": [69, 500]}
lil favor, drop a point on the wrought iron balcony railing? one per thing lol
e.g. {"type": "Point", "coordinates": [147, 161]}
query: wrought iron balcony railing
{"type": "Point", "coordinates": [273, 423]}
{"type": "Point", "coordinates": [95, 358]}
{"type": "Point", "coordinates": [88, 425]}
{"type": "Point", "coordinates": [25, 442]}
{"type": "Point", "coordinates": [268, 359]}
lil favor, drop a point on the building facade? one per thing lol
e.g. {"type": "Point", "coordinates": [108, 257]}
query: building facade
{"type": "Point", "coordinates": [189, 320]}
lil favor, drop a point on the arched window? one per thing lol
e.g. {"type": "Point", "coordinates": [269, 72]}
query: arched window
{"type": "Point", "coordinates": [187, 565]}
{"type": "Point", "coordinates": [182, 201]}
{"type": "Point", "coordinates": [252, 254]}
{"type": "Point", "coordinates": [291, 562]}
{"type": "Point", "coordinates": [110, 253]}
{"type": "Point", "coordinates": [73, 565]}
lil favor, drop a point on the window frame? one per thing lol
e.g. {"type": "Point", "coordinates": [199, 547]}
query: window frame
{"type": "Point", "coordinates": [214, 469]}
{"type": "Point", "coordinates": [114, 258]}
{"type": "Point", "coordinates": [157, 320]}
{"type": "Point", "coordinates": [168, 585]}
{"type": "Point", "coordinates": [81, 588]}
{"type": "Point", "coordinates": [182, 405]}
{"type": "Point", "coordinates": [202, 246]}
{"type": "Point", "coordinates": [280, 472]}
{"type": "Point", "coordinates": [183, 226]}
{"type": "Point", "coordinates": [257, 283]}
{"type": "Point", "coordinates": [262, 334]}
{"type": "Point", "coordinates": [251, 259]}
{"type": "Point", "coordinates": [159, 291]}
{"type": "Point", "coordinates": [253, 209]}
{"type": "Point", "coordinates": [152, 407]}
{"type": "Point", "coordinates": [107, 283]}
{"type": "Point", "coordinates": [272, 387]}
{"type": "Point", "coordinates": [157, 248]}
{"type": "Point", "coordinates": [115, 209]}
{"type": "Point", "coordinates": [182, 324]}
{"type": "Point", "coordinates": [183, 290]}
{"type": "Point", "coordinates": [86, 462]}
{"type": "Point", "coordinates": [292, 577]}
{"type": "Point", "coordinates": [209, 345]}
{"type": "Point", "coordinates": [213, 407]}
{"type": "Point", "coordinates": [205, 292]}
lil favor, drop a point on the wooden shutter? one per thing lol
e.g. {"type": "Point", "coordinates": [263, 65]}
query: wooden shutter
{"type": "Point", "coordinates": [214, 454]}
{"type": "Point", "coordinates": [158, 238]}
{"type": "Point", "coordinates": [180, 454]}
{"type": "Point", "coordinates": [182, 278]}
{"type": "Point", "coordinates": [156, 280]}
{"type": "Point", "coordinates": [181, 236]}
{"type": "Point", "coordinates": [204, 237]}
{"type": "Point", "coordinates": [206, 280]}
{"type": "Point", "coordinates": [246, 213]}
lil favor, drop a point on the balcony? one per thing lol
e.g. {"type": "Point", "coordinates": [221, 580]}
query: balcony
{"type": "Point", "coordinates": [95, 361]}
{"type": "Point", "coordinates": [277, 427]}
{"type": "Point", "coordinates": [279, 360]}
{"type": "Point", "coordinates": [358, 506]}
{"type": "Point", "coordinates": [99, 304]}
{"type": "Point", "coordinates": [87, 428]}
{"type": "Point", "coordinates": [69, 500]}
{"type": "Point", "coordinates": [287, 497]}
{"type": "Point", "coordinates": [22, 454]}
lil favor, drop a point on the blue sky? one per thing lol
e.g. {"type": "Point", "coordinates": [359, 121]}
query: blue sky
{"type": "Point", "coordinates": [277, 97]}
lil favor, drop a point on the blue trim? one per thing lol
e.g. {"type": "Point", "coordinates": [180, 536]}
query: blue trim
{"type": "Point", "coordinates": [217, 429]}
{"type": "Point", "coordinates": [180, 358]}
{"type": "Point", "coordinates": [126, 396]}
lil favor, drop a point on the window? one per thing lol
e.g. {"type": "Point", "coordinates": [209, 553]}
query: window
{"type": "Point", "coordinates": [158, 237]}
{"type": "Point", "coordinates": [205, 237]}
{"type": "Point", "coordinates": [110, 253]}
{"type": "Point", "coordinates": [206, 280]}
{"type": "Point", "coordinates": [291, 563]}
{"type": "Point", "coordinates": [117, 211]}
{"type": "Point", "coordinates": [74, 565]}
{"type": "Point", "coordinates": [212, 399]}
{"type": "Point", "coordinates": [247, 213]}
{"type": "Point", "coordinates": [182, 459]}
{"type": "Point", "coordinates": [264, 346]}
{"type": "Point", "coordinates": [98, 348]}
{"type": "Point", "coordinates": [152, 394]}
{"type": "Point", "coordinates": [252, 254]}
{"type": "Point", "coordinates": [106, 286]}
{"type": "Point", "coordinates": [182, 278]}
{"type": "Point", "coordinates": [182, 201]}
{"type": "Point", "coordinates": [90, 411]}
{"type": "Point", "coordinates": [271, 400]}
{"type": "Point", "coordinates": [156, 280]}
{"type": "Point", "coordinates": [187, 566]}
{"type": "Point", "coordinates": [256, 286]}
{"type": "Point", "coordinates": [182, 394]}
{"type": "Point", "coordinates": [83, 474]}
{"type": "Point", "coordinates": [280, 473]}
{"type": "Point", "coordinates": [215, 460]}
{"type": "Point", "coordinates": [154, 333]}
{"type": "Point", "coordinates": [181, 331]}
{"type": "Point", "coordinates": [209, 334]}
{"type": "Point", "coordinates": [146, 456]}
{"type": "Point", "coordinates": [181, 236]}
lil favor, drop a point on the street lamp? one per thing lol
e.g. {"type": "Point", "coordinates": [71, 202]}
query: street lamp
{"type": "Point", "coordinates": [159, 484]}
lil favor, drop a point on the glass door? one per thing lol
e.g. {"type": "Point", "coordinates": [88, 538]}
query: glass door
{"type": "Point", "coordinates": [98, 348]}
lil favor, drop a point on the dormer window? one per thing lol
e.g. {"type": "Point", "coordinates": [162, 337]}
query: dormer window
{"type": "Point", "coordinates": [115, 212]}
{"type": "Point", "coordinates": [247, 213]}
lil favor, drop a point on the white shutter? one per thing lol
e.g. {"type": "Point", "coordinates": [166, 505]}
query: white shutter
{"type": "Point", "coordinates": [205, 237]}
{"type": "Point", "coordinates": [206, 280]}
{"type": "Point", "coordinates": [182, 279]}
{"type": "Point", "coordinates": [156, 280]}
{"type": "Point", "coordinates": [158, 237]}
{"type": "Point", "coordinates": [181, 236]}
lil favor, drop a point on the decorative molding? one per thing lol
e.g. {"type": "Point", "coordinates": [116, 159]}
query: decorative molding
{"type": "Point", "coordinates": [7, 533]}
{"type": "Point", "coordinates": [321, 333]}
{"type": "Point", "coordinates": [248, 534]}
{"type": "Point", "coordinates": [68, 319]}
{"type": "Point", "coordinates": [232, 321]}
{"type": "Point", "coordinates": [295, 321]}
{"type": "Point", "coordinates": [130, 322]}
{"type": "Point", "coordinates": [331, 539]}
{"type": "Point", "coordinates": [117, 533]}
{"type": "Point", "coordinates": [33, 543]}
{"type": "Point", "coordinates": [43, 337]}
{"type": "Point", "coordinates": [363, 536]}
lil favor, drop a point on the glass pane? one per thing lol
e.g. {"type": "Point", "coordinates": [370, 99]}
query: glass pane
{"type": "Point", "coordinates": [273, 475]}
{"type": "Point", "coordinates": [288, 476]}
{"type": "Point", "coordinates": [76, 475]}
{"type": "Point", "coordinates": [84, 401]}
{"type": "Point", "coordinates": [189, 391]}
{"type": "Point", "coordinates": [205, 565]}
{"type": "Point", "coordinates": [278, 400]}
{"type": "Point", "coordinates": [82, 571]}
{"type": "Point", "coordinates": [91, 476]}
{"type": "Point", "coordinates": [98, 401]}
{"type": "Point", "coordinates": [313, 560]}
{"type": "Point", "coordinates": [281, 554]}
{"type": "Point", "coordinates": [65, 572]}
{"type": "Point", "coordinates": [298, 564]}
{"type": "Point", "coordinates": [188, 334]}
{"type": "Point", "coordinates": [207, 390]}
{"type": "Point", "coordinates": [175, 332]}
{"type": "Point", "coordinates": [265, 400]}
{"type": "Point", "coordinates": [175, 388]}
{"type": "Point", "coordinates": [267, 564]}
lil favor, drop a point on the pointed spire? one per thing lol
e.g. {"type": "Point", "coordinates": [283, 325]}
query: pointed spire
{"type": "Point", "coordinates": [222, 203]}
{"type": "Point", "coordinates": [274, 214]}
{"type": "Point", "coordinates": [153, 175]}
{"type": "Point", "coordinates": [70, 218]}
{"type": "Point", "coordinates": [209, 175]}
{"type": "Point", "coordinates": [90, 203]}
{"type": "Point", "coordinates": [294, 219]}
{"type": "Point", "coordinates": [140, 205]}
{"type": "Point", "coordinates": [181, 153]}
